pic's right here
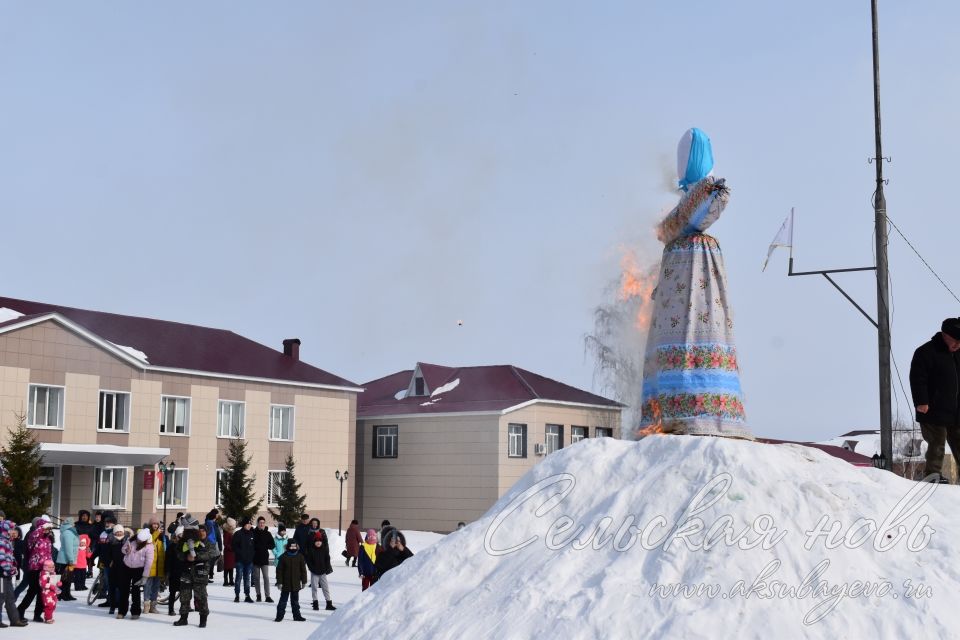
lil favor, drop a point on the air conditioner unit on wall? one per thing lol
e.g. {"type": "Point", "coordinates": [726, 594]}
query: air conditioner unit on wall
{"type": "Point", "coordinates": [540, 449]}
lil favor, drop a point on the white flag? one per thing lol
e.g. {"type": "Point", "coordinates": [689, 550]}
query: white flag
{"type": "Point", "coordinates": [784, 238]}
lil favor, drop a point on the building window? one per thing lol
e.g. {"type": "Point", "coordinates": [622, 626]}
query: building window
{"type": "Point", "coordinates": [109, 487]}
{"type": "Point", "coordinates": [385, 441]}
{"type": "Point", "coordinates": [577, 434]}
{"type": "Point", "coordinates": [176, 488]}
{"type": "Point", "coordinates": [174, 415]}
{"type": "Point", "coordinates": [45, 407]}
{"type": "Point", "coordinates": [554, 437]}
{"type": "Point", "coordinates": [221, 477]}
{"type": "Point", "coordinates": [517, 441]}
{"type": "Point", "coordinates": [418, 387]}
{"type": "Point", "coordinates": [114, 411]}
{"type": "Point", "coordinates": [230, 420]}
{"type": "Point", "coordinates": [604, 432]}
{"type": "Point", "coordinates": [274, 478]}
{"type": "Point", "coordinates": [281, 422]}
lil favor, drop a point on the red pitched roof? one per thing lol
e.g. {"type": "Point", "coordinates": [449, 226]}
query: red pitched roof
{"type": "Point", "coordinates": [856, 459]}
{"type": "Point", "coordinates": [486, 388]}
{"type": "Point", "coordinates": [175, 345]}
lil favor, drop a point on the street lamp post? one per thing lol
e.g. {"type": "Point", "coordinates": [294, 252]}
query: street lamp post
{"type": "Point", "coordinates": [342, 477]}
{"type": "Point", "coordinates": [166, 469]}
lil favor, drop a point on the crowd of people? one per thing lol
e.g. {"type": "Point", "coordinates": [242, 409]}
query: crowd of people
{"type": "Point", "coordinates": [134, 567]}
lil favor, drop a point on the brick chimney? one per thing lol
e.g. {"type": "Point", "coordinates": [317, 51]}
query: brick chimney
{"type": "Point", "coordinates": [291, 348]}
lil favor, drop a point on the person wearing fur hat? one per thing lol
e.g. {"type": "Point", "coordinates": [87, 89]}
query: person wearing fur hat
{"type": "Point", "coordinates": [318, 561]}
{"type": "Point", "coordinates": [291, 578]}
{"type": "Point", "coordinates": [229, 558]}
{"type": "Point", "coordinates": [366, 562]}
{"type": "Point", "coordinates": [49, 589]}
{"type": "Point", "coordinates": [8, 569]}
{"type": "Point", "coordinates": [395, 551]}
{"type": "Point", "coordinates": [67, 556]}
{"type": "Point", "coordinates": [195, 553]}
{"type": "Point", "coordinates": [39, 551]}
{"type": "Point", "coordinates": [243, 549]}
{"type": "Point", "coordinates": [112, 557]}
{"type": "Point", "coordinates": [935, 385]}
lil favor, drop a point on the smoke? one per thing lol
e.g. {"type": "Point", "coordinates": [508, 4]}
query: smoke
{"type": "Point", "coordinates": [622, 321]}
{"type": "Point", "coordinates": [620, 328]}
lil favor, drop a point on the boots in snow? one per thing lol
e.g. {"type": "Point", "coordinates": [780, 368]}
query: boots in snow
{"type": "Point", "coordinates": [316, 605]}
{"type": "Point", "coordinates": [146, 606]}
{"type": "Point", "coordinates": [330, 606]}
{"type": "Point", "coordinates": [153, 607]}
{"type": "Point", "coordinates": [299, 618]}
{"type": "Point", "coordinates": [203, 620]}
{"type": "Point", "coordinates": [182, 622]}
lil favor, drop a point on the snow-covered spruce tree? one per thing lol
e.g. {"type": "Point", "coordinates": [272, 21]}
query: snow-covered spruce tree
{"type": "Point", "coordinates": [290, 502]}
{"type": "Point", "coordinates": [236, 487]}
{"type": "Point", "coordinates": [21, 496]}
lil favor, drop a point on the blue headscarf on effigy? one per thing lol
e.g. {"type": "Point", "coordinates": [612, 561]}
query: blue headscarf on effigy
{"type": "Point", "coordinates": [694, 158]}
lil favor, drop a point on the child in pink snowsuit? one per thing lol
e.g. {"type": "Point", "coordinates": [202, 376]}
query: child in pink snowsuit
{"type": "Point", "coordinates": [49, 588]}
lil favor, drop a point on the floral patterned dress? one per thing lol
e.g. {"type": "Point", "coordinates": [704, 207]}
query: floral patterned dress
{"type": "Point", "coordinates": [691, 377]}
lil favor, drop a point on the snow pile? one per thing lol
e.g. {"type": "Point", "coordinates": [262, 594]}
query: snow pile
{"type": "Point", "coordinates": [677, 536]}
{"type": "Point", "coordinates": [400, 395]}
{"type": "Point", "coordinates": [7, 314]}
{"type": "Point", "coordinates": [130, 351]}
{"type": "Point", "coordinates": [450, 386]}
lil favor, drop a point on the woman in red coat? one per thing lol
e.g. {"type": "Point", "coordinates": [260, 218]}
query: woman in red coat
{"type": "Point", "coordinates": [353, 542]}
{"type": "Point", "coordinates": [229, 559]}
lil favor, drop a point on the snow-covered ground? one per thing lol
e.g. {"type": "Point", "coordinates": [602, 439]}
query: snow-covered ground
{"type": "Point", "coordinates": [681, 537]}
{"type": "Point", "coordinates": [237, 621]}
{"type": "Point", "coordinates": [669, 537]}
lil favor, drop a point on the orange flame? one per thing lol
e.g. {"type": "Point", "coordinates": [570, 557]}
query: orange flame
{"type": "Point", "coordinates": [656, 427]}
{"type": "Point", "coordinates": [634, 283]}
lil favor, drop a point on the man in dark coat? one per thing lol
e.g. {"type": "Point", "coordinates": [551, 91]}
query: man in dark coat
{"type": "Point", "coordinates": [243, 550]}
{"type": "Point", "coordinates": [302, 532]}
{"type": "Point", "coordinates": [291, 578]}
{"type": "Point", "coordinates": [262, 546]}
{"type": "Point", "coordinates": [935, 384]}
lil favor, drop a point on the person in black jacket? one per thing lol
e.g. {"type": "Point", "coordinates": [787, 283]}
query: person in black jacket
{"type": "Point", "coordinates": [243, 550]}
{"type": "Point", "coordinates": [395, 551]}
{"type": "Point", "coordinates": [301, 532]}
{"type": "Point", "coordinates": [318, 562]}
{"type": "Point", "coordinates": [262, 546]}
{"type": "Point", "coordinates": [173, 568]}
{"type": "Point", "coordinates": [935, 384]}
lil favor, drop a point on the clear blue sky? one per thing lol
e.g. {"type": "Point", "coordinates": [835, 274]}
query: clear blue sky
{"type": "Point", "coordinates": [364, 175]}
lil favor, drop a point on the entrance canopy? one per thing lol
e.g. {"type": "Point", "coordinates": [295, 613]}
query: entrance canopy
{"type": "Point", "coordinates": [101, 455]}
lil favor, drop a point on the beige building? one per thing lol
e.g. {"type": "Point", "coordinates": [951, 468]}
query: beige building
{"type": "Point", "coordinates": [439, 445]}
{"type": "Point", "coordinates": [110, 396]}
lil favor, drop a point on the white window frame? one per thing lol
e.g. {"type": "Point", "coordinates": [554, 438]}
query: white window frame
{"type": "Point", "coordinates": [217, 501]}
{"type": "Point", "coordinates": [271, 499]}
{"type": "Point", "coordinates": [549, 437]}
{"type": "Point", "coordinates": [243, 418]}
{"type": "Point", "coordinates": [189, 416]}
{"type": "Point", "coordinates": [520, 438]}
{"type": "Point", "coordinates": [128, 397]}
{"type": "Point", "coordinates": [293, 415]}
{"type": "Point", "coordinates": [607, 432]}
{"type": "Point", "coordinates": [61, 414]}
{"type": "Point", "coordinates": [170, 495]}
{"type": "Point", "coordinates": [380, 453]}
{"type": "Point", "coordinates": [98, 471]}
{"type": "Point", "coordinates": [577, 437]}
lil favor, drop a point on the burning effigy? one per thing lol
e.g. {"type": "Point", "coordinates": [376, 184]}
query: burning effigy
{"type": "Point", "coordinates": [691, 376]}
